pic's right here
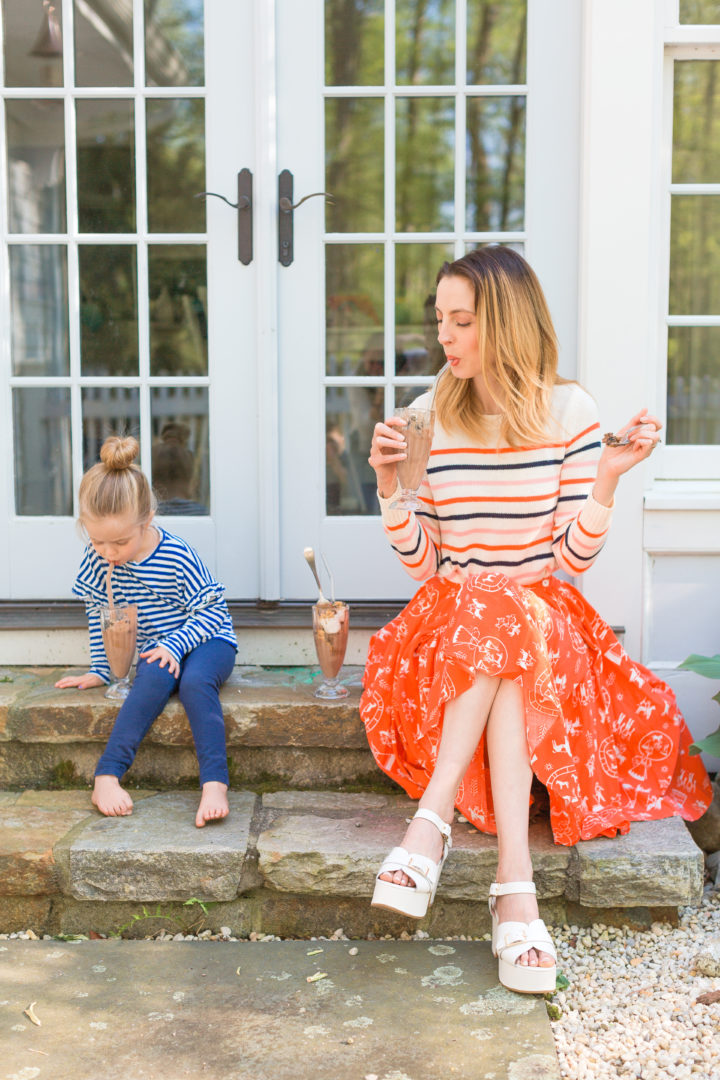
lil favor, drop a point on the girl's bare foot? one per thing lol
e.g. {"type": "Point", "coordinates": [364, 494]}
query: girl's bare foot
{"type": "Point", "coordinates": [111, 799]}
{"type": "Point", "coordinates": [213, 803]}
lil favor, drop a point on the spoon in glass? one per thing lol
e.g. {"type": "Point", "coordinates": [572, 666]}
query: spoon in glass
{"type": "Point", "coordinates": [310, 560]}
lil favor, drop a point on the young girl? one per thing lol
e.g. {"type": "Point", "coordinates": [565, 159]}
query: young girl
{"type": "Point", "coordinates": [497, 670]}
{"type": "Point", "coordinates": [186, 640]}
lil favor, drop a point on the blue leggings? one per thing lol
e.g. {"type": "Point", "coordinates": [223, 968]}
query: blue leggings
{"type": "Point", "coordinates": [202, 673]}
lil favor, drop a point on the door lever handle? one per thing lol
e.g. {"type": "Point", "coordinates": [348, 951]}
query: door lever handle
{"type": "Point", "coordinates": [244, 217]}
{"type": "Point", "coordinates": [286, 207]}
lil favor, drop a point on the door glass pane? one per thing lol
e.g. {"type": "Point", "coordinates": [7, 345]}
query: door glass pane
{"type": "Point", "coordinates": [32, 38]}
{"type": "Point", "coordinates": [693, 395]}
{"type": "Point", "coordinates": [417, 349]}
{"type": "Point", "coordinates": [350, 482]}
{"type": "Point", "coordinates": [103, 42]}
{"type": "Point", "coordinates": [180, 449]}
{"type": "Point", "coordinates": [39, 305]}
{"type": "Point", "coordinates": [405, 395]}
{"type": "Point", "coordinates": [36, 166]}
{"type": "Point", "coordinates": [174, 43]}
{"type": "Point", "coordinates": [700, 11]}
{"type": "Point", "coordinates": [694, 256]}
{"type": "Point", "coordinates": [43, 468]}
{"type": "Point", "coordinates": [108, 410]}
{"type": "Point", "coordinates": [496, 41]}
{"type": "Point", "coordinates": [354, 156]}
{"type": "Point", "coordinates": [106, 166]}
{"type": "Point", "coordinates": [354, 304]}
{"type": "Point", "coordinates": [425, 149]}
{"type": "Point", "coordinates": [425, 42]}
{"type": "Point", "coordinates": [354, 42]}
{"type": "Point", "coordinates": [696, 122]}
{"type": "Point", "coordinates": [175, 164]}
{"type": "Point", "coordinates": [108, 309]}
{"type": "Point", "coordinates": [178, 309]}
{"type": "Point", "coordinates": [495, 189]}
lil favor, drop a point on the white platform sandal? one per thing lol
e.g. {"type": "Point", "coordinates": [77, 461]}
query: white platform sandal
{"type": "Point", "coordinates": [511, 939]}
{"type": "Point", "coordinates": [419, 868]}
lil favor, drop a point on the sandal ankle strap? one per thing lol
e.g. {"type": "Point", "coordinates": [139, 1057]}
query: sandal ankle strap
{"type": "Point", "coordinates": [503, 888]}
{"type": "Point", "coordinates": [437, 821]}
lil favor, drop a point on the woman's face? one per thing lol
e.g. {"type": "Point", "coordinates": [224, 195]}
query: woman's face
{"type": "Point", "coordinates": [457, 326]}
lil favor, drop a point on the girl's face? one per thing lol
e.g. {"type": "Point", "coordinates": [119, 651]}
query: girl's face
{"type": "Point", "coordinates": [120, 539]}
{"type": "Point", "coordinates": [457, 326]}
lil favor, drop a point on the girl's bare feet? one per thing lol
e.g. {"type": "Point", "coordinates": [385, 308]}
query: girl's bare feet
{"type": "Point", "coordinates": [213, 803]}
{"type": "Point", "coordinates": [111, 799]}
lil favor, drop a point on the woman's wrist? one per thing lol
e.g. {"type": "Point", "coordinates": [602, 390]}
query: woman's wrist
{"type": "Point", "coordinates": [604, 488]}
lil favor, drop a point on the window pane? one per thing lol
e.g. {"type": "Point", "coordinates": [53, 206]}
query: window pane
{"type": "Point", "coordinates": [39, 309]}
{"type": "Point", "coordinates": [354, 306]}
{"type": "Point", "coordinates": [700, 11]}
{"type": "Point", "coordinates": [36, 166]}
{"type": "Point", "coordinates": [496, 41]}
{"type": "Point", "coordinates": [354, 156]}
{"type": "Point", "coordinates": [694, 255]}
{"type": "Point", "coordinates": [174, 43]}
{"type": "Point", "coordinates": [354, 42]}
{"type": "Point", "coordinates": [43, 470]}
{"type": "Point", "coordinates": [425, 194]}
{"type": "Point", "coordinates": [425, 42]}
{"type": "Point", "coordinates": [176, 164]}
{"type": "Point", "coordinates": [178, 309]}
{"type": "Point", "coordinates": [108, 410]}
{"type": "Point", "coordinates": [108, 310]}
{"type": "Point", "coordinates": [32, 38]}
{"type": "Point", "coordinates": [405, 395]}
{"type": "Point", "coordinates": [693, 388]}
{"type": "Point", "coordinates": [495, 163]}
{"type": "Point", "coordinates": [351, 414]}
{"type": "Point", "coordinates": [106, 166]}
{"type": "Point", "coordinates": [696, 122]}
{"type": "Point", "coordinates": [103, 42]}
{"type": "Point", "coordinates": [180, 454]}
{"type": "Point", "coordinates": [417, 350]}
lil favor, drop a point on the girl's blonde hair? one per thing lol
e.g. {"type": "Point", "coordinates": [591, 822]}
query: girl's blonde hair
{"type": "Point", "coordinates": [514, 321]}
{"type": "Point", "coordinates": [116, 486]}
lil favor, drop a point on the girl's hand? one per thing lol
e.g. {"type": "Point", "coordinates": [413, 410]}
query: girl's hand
{"type": "Point", "coordinates": [643, 433]}
{"type": "Point", "coordinates": [83, 682]}
{"type": "Point", "coordinates": [166, 659]}
{"type": "Point", "coordinates": [388, 447]}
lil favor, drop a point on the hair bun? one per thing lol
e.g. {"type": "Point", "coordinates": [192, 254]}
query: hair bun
{"type": "Point", "coordinates": [175, 433]}
{"type": "Point", "coordinates": [118, 453]}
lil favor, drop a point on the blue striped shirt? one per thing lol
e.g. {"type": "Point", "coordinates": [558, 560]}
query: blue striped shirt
{"type": "Point", "coordinates": [179, 603]}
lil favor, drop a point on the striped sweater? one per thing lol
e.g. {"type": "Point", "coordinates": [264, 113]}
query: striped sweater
{"type": "Point", "coordinates": [179, 603]}
{"type": "Point", "coordinates": [525, 511]}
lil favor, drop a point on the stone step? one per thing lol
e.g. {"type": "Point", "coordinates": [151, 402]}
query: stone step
{"type": "Point", "coordinates": [298, 863]}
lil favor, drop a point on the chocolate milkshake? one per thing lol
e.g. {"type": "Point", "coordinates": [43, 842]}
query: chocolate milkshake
{"type": "Point", "coordinates": [418, 434]}
{"type": "Point", "coordinates": [330, 629]}
{"type": "Point", "coordinates": [119, 632]}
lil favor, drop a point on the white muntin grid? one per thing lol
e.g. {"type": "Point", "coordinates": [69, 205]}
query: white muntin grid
{"type": "Point", "coordinates": [140, 240]}
{"type": "Point", "coordinates": [459, 237]}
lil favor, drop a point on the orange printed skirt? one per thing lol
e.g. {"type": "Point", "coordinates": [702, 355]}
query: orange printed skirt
{"type": "Point", "coordinates": [606, 737]}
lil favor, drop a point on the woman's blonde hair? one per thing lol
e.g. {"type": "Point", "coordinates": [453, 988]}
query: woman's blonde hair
{"type": "Point", "coordinates": [116, 486]}
{"type": "Point", "coordinates": [513, 320]}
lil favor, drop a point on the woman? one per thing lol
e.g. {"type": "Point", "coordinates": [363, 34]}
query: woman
{"type": "Point", "coordinates": [497, 670]}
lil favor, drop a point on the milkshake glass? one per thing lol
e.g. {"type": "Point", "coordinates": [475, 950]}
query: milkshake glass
{"type": "Point", "coordinates": [418, 434]}
{"type": "Point", "coordinates": [330, 630]}
{"type": "Point", "coordinates": [119, 633]}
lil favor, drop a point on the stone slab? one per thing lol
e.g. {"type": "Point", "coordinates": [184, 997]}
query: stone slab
{"type": "Point", "coordinates": [158, 854]}
{"type": "Point", "coordinates": [314, 802]}
{"type": "Point", "coordinates": [75, 799]}
{"type": "Point", "coordinates": [28, 836]}
{"type": "Point", "coordinates": [245, 1011]}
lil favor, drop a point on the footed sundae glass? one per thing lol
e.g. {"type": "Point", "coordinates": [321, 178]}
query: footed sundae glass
{"type": "Point", "coordinates": [119, 632]}
{"type": "Point", "coordinates": [330, 630]}
{"type": "Point", "coordinates": [418, 434]}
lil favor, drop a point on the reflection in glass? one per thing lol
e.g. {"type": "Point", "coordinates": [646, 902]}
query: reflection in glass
{"type": "Point", "coordinates": [106, 166]}
{"type": "Point", "coordinates": [43, 464]}
{"type": "Point", "coordinates": [350, 416]}
{"type": "Point", "coordinates": [417, 349]}
{"type": "Point", "coordinates": [515, 245]}
{"type": "Point", "coordinates": [175, 164]}
{"type": "Point", "coordinates": [693, 385]}
{"type": "Point", "coordinates": [354, 42]}
{"type": "Point", "coordinates": [696, 122]}
{"type": "Point", "coordinates": [407, 395]}
{"type": "Point", "coordinates": [32, 38]}
{"type": "Point", "coordinates": [108, 309]}
{"type": "Point", "coordinates": [36, 166]}
{"type": "Point", "coordinates": [103, 42]}
{"type": "Point", "coordinates": [697, 12]}
{"type": "Point", "coordinates": [694, 255]}
{"type": "Point", "coordinates": [496, 42]}
{"type": "Point", "coordinates": [354, 156]}
{"type": "Point", "coordinates": [108, 410]}
{"type": "Point", "coordinates": [495, 187]}
{"type": "Point", "coordinates": [180, 449]}
{"type": "Point", "coordinates": [354, 306]}
{"type": "Point", "coordinates": [174, 44]}
{"type": "Point", "coordinates": [425, 149]}
{"type": "Point", "coordinates": [39, 309]}
{"type": "Point", "coordinates": [178, 309]}
{"type": "Point", "coordinates": [425, 42]}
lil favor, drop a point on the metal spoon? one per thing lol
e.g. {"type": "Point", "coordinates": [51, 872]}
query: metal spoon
{"type": "Point", "coordinates": [310, 560]}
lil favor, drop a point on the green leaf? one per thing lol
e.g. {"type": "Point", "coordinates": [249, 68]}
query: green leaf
{"type": "Point", "coordinates": [709, 745]}
{"type": "Point", "coordinates": [561, 982]}
{"type": "Point", "coordinates": [709, 666]}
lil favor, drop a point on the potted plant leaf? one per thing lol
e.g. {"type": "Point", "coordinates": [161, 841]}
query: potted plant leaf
{"type": "Point", "coordinates": [709, 666]}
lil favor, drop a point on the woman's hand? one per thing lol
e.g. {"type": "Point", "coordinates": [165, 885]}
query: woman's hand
{"type": "Point", "coordinates": [643, 433]}
{"type": "Point", "coordinates": [83, 682]}
{"type": "Point", "coordinates": [166, 659]}
{"type": "Point", "coordinates": [388, 447]}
